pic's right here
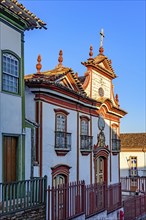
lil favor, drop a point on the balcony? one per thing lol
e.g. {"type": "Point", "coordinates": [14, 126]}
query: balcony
{"type": "Point", "coordinates": [116, 145]}
{"type": "Point", "coordinates": [62, 143]}
{"type": "Point", "coordinates": [86, 144]}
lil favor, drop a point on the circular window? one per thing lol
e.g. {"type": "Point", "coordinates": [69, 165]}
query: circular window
{"type": "Point", "coordinates": [101, 91]}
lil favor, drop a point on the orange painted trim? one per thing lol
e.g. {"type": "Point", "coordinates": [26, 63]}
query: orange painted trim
{"type": "Point", "coordinates": [58, 110]}
{"type": "Point", "coordinates": [65, 104]}
{"type": "Point", "coordinates": [84, 117]}
{"type": "Point", "coordinates": [102, 153]}
{"type": "Point", "coordinates": [61, 169]}
{"type": "Point", "coordinates": [87, 80]}
{"type": "Point", "coordinates": [103, 72]}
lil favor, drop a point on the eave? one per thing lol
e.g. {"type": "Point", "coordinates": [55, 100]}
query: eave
{"type": "Point", "coordinates": [98, 68]}
{"type": "Point", "coordinates": [18, 15]}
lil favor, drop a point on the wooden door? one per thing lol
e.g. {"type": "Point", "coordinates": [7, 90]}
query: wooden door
{"type": "Point", "coordinates": [10, 158]}
{"type": "Point", "coordinates": [60, 197]}
{"type": "Point", "coordinates": [99, 172]}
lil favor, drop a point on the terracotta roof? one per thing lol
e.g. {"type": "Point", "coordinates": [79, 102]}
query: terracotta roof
{"type": "Point", "coordinates": [133, 141]}
{"type": "Point", "coordinates": [54, 76]}
{"type": "Point", "coordinates": [17, 10]}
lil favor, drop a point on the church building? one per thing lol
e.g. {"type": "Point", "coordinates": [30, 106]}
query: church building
{"type": "Point", "coordinates": [77, 121]}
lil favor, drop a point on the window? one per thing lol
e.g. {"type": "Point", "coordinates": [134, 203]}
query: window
{"type": "Point", "coordinates": [10, 78]}
{"type": "Point", "coordinates": [86, 140]}
{"type": "Point", "coordinates": [62, 137]}
{"type": "Point", "coordinates": [115, 139]}
{"type": "Point", "coordinates": [61, 122]}
{"type": "Point", "coordinates": [133, 166]}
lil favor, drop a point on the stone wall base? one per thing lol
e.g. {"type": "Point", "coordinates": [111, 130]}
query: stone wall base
{"type": "Point", "coordinates": [37, 213]}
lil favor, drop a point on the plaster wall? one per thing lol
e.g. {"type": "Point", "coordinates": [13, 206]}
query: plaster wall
{"type": "Point", "coordinates": [29, 105]}
{"type": "Point", "coordinates": [10, 39]}
{"type": "Point", "coordinates": [115, 169]}
{"type": "Point", "coordinates": [50, 158]}
{"type": "Point", "coordinates": [28, 153]}
{"type": "Point", "coordinates": [97, 82]}
{"type": "Point", "coordinates": [11, 116]}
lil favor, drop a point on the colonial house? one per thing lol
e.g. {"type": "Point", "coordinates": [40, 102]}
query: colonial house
{"type": "Point", "coordinates": [78, 118]}
{"type": "Point", "coordinates": [133, 155]}
{"type": "Point", "coordinates": [133, 162]}
{"type": "Point", "coordinates": [14, 20]}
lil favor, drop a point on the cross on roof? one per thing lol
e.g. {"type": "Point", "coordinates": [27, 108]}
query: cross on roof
{"type": "Point", "coordinates": [101, 37]}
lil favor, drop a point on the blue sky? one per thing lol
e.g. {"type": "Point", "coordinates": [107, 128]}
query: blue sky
{"type": "Point", "coordinates": [74, 25]}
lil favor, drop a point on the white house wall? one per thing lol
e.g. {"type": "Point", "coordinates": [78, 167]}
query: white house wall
{"type": "Point", "coordinates": [10, 39]}
{"type": "Point", "coordinates": [29, 105]}
{"type": "Point", "coordinates": [10, 105]}
{"type": "Point", "coordinates": [115, 169]}
{"type": "Point", "coordinates": [50, 159]}
{"type": "Point", "coordinates": [11, 114]}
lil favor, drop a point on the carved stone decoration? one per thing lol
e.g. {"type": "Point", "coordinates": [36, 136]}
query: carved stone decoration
{"type": "Point", "coordinates": [101, 139]}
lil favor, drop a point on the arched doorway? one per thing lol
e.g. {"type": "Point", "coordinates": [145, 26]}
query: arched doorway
{"type": "Point", "coordinates": [100, 169]}
{"type": "Point", "coordinates": [101, 165]}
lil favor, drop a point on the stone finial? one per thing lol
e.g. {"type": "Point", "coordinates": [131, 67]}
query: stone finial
{"type": "Point", "coordinates": [60, 58]}
{"type": "Point", "coordinates": [39, 65]}
{"type": "Point", "coordinates": [91, 51]}
{"type": "Point", "coordinates": [101, 50]}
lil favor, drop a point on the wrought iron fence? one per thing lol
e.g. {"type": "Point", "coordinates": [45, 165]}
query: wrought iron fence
{"type": "Point", "coordinates": [95, 198]}
{"type": "Point", "coordinates": [21, 195]}
{"type": "Point", "coordinates": [134, 207]}
{"type": "Point", "coordinates": [133, 184]}
{"type": "Point", "coordinates": [74, 199]}
{"type": "Point", "coordinates": [66, 201]}
{"type": "Point", "coordinates": [114, 197]}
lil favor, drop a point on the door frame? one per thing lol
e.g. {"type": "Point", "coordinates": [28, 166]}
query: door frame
{"type": "Point", "coordinates": [104, 154]}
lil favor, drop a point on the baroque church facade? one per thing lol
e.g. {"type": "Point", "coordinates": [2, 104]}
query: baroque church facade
{"type": "Point", "coordinates": [78, 121]}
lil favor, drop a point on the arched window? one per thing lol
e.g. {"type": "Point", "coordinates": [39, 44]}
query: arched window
{"type": "Point", "coordinates": [115, 139]}
{"type": "Point", "coordinates": [60, 122]}
{"type": "Point", "coordinates": [84, 127]}
{"type": "Point", "coordinates": [10, 73]}
{"type": "Point", "coordinates": [62, 137]}
{"type": "Point", "coordinates": [86, 140]}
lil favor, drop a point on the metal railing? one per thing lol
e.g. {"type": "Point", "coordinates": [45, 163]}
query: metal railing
{"type": "Point", "coordinates": [62, 140]}
{"type": "Point", "coordinates": [114, 197]}
{"type": "Point", "coordinates": [134, 207]}
{"type": "Point", "coordinates": [95, 198]}
{"type": "Point", "coordinates": [131, 184]}
{"type": "Point", "coordinates": [74, 199]}
{"type": "Point", "coordinates": [66, 201]}
{"type": "Point", "coordinates": [21, 195]}
{"type": "Point", "coordinates": [86, 142]}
